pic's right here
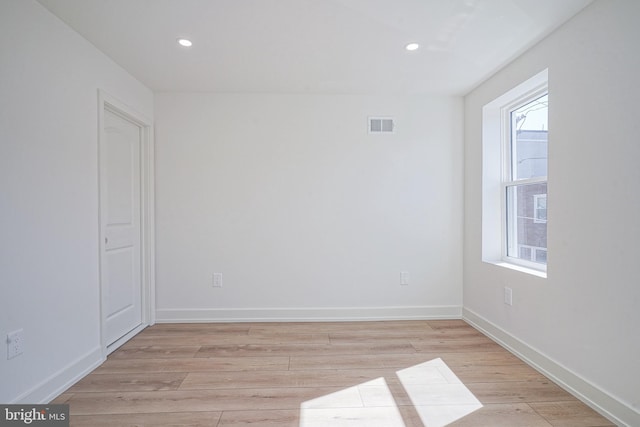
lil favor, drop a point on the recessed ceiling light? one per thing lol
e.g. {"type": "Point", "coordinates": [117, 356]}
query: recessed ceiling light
{"type": "Point", "coordinates": [185, 42]}
{"type": "Point", "coordinates": [412, 46]}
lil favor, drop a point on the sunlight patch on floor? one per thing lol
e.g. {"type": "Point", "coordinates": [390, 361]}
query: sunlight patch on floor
{"type": "Point", "coordinates": [346, 408]}
{"type": "Point", "coordinates": [437, 395]}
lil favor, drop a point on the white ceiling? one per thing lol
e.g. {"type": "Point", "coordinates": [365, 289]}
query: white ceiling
{"type": "Point", "coordinates": [325, 46]}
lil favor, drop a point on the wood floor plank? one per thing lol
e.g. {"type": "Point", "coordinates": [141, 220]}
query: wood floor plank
{"type": "Point", "coordinates": [387, 336]}
{"type": "Point", "coordinates": [213, 339]}
{"type": "Point", "coordinates": [237, 350]}
{"type": "Point", "coordinates": [193, 364]}
{"type": "Point", "coordinates": [518, 391]}
{"type": "Point", "coordinates": [271, 418]}
{"type": "Point", "coordinates": [570, 414]}
{"type": "Point", "coordinates": [195, 400]}
{"type": "Point", "coordinates": [154, 352]}
{"type": "Point", "coordinates": [497, 373]}
{"type": "Point", "coordinates": [356, 361]}
{"type": "Point", "coordinates": [455, 333]}
{"type": "Point", "coordinates": [182, 419]}
{"type": "Point", "coordinates": [482, 358]}
{"type": "Point", "coordinates": [455, 345]}
{"type": "Point", "coordinates": [265, 379]}
{"type": "Point", "coordinates": [406, 335]}
{"type": "Point", "coordinates": [336, 327]}
{"type": "Point", "coordinates": [359, 361]}
{"type": "Point", "coordinates": [198, 328]}
{"type": "Point", "coordinates": [129, 382]}
{"type": "Point", "coordinates": [279, 337]}
{"type": "Point", "coordinates": [448, 324]}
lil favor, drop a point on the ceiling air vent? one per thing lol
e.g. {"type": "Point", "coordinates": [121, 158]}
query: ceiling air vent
{"type": "Point", "coordinates": [381, 125]}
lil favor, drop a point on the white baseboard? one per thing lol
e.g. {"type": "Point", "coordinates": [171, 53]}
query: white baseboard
{"type": "Point", "coordinates": [607, 405]}
{"type": "Point", "coordinates": [57, 383]}
{"type": "Point", "coordinates": [307, 314]}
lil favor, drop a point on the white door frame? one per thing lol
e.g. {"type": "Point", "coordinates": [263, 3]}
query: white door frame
{"type": "Point", "coordinates": [147, 227]}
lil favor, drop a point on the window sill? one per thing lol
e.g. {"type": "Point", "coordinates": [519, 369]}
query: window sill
{"type": "Point", "coordinates": [520, 268]}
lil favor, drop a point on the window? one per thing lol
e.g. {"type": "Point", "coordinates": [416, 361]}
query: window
{"type": "Point", "coordinates": [540, 208]}
{"type": "Point", "coordinates": [525, 177]}
{"type": "Point", "coordinates": [514, 208]}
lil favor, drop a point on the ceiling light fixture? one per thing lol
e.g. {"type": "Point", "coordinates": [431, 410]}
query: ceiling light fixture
{"type": "Point", "coordinates": [412, 46]}
{"type": "Point", "coordinates": [185, 42]}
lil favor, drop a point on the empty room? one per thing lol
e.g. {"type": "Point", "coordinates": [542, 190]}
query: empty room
{"type": "Point", "coordinates": [320, 213]}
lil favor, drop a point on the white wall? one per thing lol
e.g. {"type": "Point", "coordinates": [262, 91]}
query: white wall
{"type": "Point", "coordinates": [305, 214]}
{"type": "Point", "coordinates": [49, 78]}
{"type": "Point", "coordinates": [581, 321]}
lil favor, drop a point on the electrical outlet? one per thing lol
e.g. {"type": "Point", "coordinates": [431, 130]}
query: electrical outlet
{"type": "Point", "coordinates": [217, 280]}
{"type": "Point", "coordinates": [404, 277]}
{"type": "Point", "coordinates": [508, 296]}
{"type": "Point", "coordinates": [14, 344]}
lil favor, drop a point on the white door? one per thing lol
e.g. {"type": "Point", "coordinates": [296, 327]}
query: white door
{"type": "Point", "coordinates": [121, 226]}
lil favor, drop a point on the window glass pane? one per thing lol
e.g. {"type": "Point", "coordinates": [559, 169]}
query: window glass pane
{"type": "Point", "coordinates": [541, 256]}
{"type": "Point", "coordinates": [529, 128]}
{"type": "Point", "coordinates": [526, 235]}
{"type": "Point", "coordinates": [525, 252]}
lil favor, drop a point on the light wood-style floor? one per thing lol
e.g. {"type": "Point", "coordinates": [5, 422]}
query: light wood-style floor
{"type": "Point", "coordinates": [387, 374]}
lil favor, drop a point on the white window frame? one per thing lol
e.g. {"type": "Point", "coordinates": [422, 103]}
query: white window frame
{"type": "Point", "coordinates": [496, 173]}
